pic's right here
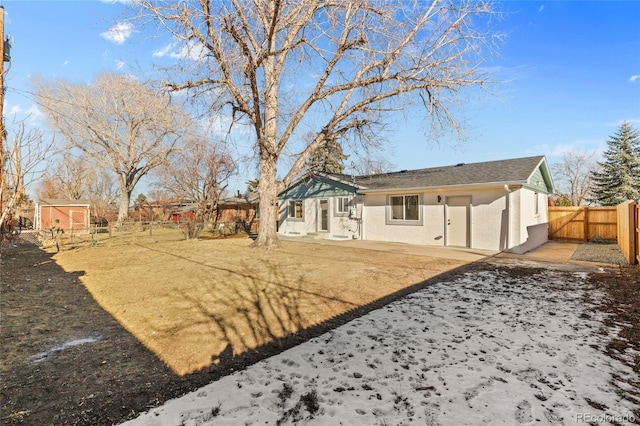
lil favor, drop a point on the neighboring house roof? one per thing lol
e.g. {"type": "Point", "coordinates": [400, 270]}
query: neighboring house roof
{"type": "Point", "coordinates": [62, 202]}
{"type": "Point", "coordinates": [529, 171]}
{"type": "Point", "coordinates": [251, 199]}
{"type": "Point", "coordinates": [185, 209]}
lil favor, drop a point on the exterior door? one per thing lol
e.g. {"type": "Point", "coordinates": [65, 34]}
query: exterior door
{"type": "Point", "coordinates": [323, 215]}
{"type": "Point", "coordinates": [457, 221]}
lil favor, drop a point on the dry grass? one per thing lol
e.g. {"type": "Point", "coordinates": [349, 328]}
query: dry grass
{"type": "Point", "coordinates": [193, 303]}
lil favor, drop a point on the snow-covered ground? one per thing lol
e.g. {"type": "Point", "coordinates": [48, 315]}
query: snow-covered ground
{"type": "Point", "coordinates": [488, 348]}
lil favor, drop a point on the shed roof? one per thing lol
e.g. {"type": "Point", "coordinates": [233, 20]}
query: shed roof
{"type": "Point", "coordinates": [62, 202]}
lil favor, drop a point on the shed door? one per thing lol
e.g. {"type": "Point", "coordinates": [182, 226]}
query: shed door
{"type": "Point", "coordinates": [457, 221]}
{"type": "Point", "coordinates": [77, 219]}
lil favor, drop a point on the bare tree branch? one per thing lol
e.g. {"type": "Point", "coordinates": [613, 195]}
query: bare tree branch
{"type": "Point", "coordinates": [200, 172]}
{"type": "Point", "coordinates": [25, 160]}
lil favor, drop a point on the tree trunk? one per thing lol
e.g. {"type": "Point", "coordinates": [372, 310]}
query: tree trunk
{"type": "Point", "coordinates": [123, 212]}
{"type": "Point", "coordinates": [268, 185]}
{"type": "Point", "coordinates": [268, 190]}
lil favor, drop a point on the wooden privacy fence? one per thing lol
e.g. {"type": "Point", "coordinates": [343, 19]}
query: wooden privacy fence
{"type": "Point", "coordinates": [620, 224]}
{"type": "Point", "coordinates": [629, 231]}
{"type": "Point", "coordinates": [583, 223]}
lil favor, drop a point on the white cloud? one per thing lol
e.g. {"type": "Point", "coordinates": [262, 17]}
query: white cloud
{"type": "Point", "coordinates": [192, 50]}
{"type": "Point", "coordinates": [165, 51]}
{"type": "Point", "coordinates": [120, 64]}
{"type": "Point", "coordinates": [559, 150]}
{"type": "Point", "coordinates": [541, 8]}
{"type": "Point", "coordinates": [65, 63]}
{"type": "Point", "coordinates": [119, 33]}
{"type": "Point", "coordinates": [33, 113]}
{"type": "Point", "coordinates": [633, 78]}
{"type": "Point", "coordinates": [116, 1]}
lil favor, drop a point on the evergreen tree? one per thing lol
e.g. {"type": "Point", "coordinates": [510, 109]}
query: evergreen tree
{"type": "Point", "coordinates": [328, 158]}
{"type": "Point", "coordinates": [619, 176]}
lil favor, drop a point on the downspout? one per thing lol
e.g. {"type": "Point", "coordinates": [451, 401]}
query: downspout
{"type": "Point", "coordinates": [508, 207]}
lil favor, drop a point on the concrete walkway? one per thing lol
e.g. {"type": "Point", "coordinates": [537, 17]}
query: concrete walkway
{"type": "Point", "coordinates": [550, 252]}
{"type": "Point", "coordinates": [456, 253]}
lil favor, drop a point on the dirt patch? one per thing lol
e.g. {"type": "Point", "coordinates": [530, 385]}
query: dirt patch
{"type": "Point", "coordinates": [623, 308]}
{"type": "Point", "coordinates": [96, 335]}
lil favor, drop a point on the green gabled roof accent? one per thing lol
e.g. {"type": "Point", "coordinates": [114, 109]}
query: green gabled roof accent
{"type": "Point", "coordinates": [540, 179]}
{"type": "Point", "coordinates": [315, 186]}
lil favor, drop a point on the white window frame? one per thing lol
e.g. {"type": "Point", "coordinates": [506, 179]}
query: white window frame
{"type": "Point", "coordinates": [292, 210]}
{"type": "Point", "coordinates": [343, 203]}
{"type": "Point", "coordinates": [390, 220]}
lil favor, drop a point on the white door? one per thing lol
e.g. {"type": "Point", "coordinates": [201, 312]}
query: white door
{"type": "Point", "coordinates": [457, 221]}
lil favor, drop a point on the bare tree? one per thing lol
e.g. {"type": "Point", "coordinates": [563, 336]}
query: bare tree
{"type": "Point", "coordinates": [199, 171]}
{"type": "Point", "coordinates": [117, 122]}
{"type": "Point", "coordinates": [335, 68]}
{"type": "Point", "coordinates": [103, 193]}
{"type": "Point", "coordinates": [573, 175]}
{"type": "Point", "coordinates": [24, 160]}
{"type": "Point", "coordinates": [66, 178]}
{"type": "Point", "coordinates": [372, 165]}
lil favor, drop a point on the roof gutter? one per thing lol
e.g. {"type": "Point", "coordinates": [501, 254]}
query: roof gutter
{"type": "Point", "coordinates": [430, 188]}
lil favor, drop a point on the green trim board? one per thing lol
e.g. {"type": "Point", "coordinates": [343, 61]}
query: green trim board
{"type": "Point", "coordinates": [316, 187]}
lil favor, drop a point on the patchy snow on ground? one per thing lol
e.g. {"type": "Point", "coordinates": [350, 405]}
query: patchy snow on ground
{"type": "Point", "coordinates": [486, 348]}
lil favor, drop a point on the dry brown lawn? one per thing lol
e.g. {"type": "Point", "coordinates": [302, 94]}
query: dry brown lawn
{"type": "Point", "coordinates": [193, 303]}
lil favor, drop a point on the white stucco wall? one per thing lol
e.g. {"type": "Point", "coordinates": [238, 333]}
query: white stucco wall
{"type": "Point", "coordinates": [430, 232]}
{"type": "Point", "coordinates": [339, 225]}
{"type": "Point", "coordinates": [488, 218]}
{"type": "Point", "coordinates": [531, 229]}
{"type": "Point", "coordinates": [498, 220]}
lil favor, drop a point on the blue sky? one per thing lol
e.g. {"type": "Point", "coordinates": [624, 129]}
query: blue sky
{"type": "Point", "coordinates": [573, 72]}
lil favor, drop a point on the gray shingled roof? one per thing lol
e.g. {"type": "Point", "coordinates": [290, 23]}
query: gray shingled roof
{"type": "Point", "coordinates": [516, 170]}
{"type": "Point", "coordinates": [243, 199]}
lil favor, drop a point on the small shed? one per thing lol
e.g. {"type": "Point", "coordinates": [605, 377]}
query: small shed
{"type": "Point", "coordinates": [65, 214]}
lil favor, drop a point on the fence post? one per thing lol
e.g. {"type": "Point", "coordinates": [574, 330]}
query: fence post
{"type": "Point", "coordinates": [586, 223]}
{"type": "Point", "coordinates": [637, 233]}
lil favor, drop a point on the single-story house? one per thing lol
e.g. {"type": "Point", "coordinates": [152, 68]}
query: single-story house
{"type": "Point", "coordinates": [242, 207]}
{"type": "Point", "coordinates": [496, 205]}
{"type": "Point", "coordinates": [65, 214]}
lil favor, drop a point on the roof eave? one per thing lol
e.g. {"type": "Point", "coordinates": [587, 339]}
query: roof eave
{"type": "Point", "coordinates": [430, 188]}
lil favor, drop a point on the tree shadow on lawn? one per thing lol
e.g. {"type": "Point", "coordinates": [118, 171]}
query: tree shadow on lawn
{"type": "Point", "coordinates": [248, 316]}
{"type": "Point", "coordinates": [66, 360]}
